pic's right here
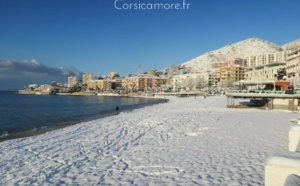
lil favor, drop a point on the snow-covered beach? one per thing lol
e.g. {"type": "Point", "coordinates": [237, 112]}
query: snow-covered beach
{"type": "Point", "coordinates": [186, 141]}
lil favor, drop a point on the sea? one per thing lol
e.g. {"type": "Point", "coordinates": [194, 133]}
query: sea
{"type": "Point", "coordinates": [24, 115]}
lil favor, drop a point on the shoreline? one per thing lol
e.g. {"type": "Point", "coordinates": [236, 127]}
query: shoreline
{"type": "Point", "coordinates": [191, 140]}
{"type": "Point", "coordinates": [45, 129]}
{"type": "Point", "coordinates": [130, 94]}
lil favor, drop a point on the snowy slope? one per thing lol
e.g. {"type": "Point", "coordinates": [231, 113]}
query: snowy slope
{"type": "Point", "coordinates": [243, 49]}
{"type": "Point", "coordinates": [291, 44]}
{"type": "Point", "coordinates": [184, 142]}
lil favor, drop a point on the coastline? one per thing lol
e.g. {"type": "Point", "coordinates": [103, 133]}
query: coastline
{"type": "Point", "coordinates": [185, 141]}
{"type": "Point", "coordinates": [43, 130]}
{"type": "Point", "coordinates": [131, 94]}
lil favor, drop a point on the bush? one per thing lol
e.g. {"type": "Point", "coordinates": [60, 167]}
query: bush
{"type": "Point", "coordinates": [75, 89]}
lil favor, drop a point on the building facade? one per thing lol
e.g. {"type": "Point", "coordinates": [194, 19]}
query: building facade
{"type": "Point", "coordinates": [144, 83]}
{"type": "Point", "coordinates": [216, 76]}
{"type": "Point", "coordinates": [99, 85]}
{"type": "Point", "coordinates": [269, 72]}
{"type": "Point", "coordinates": [261, 60]}
{"type": "Point", "coordinates": [293, 64]}
{"type": "Point", "coordinates": [218, 64]}
{"type": "Point", "coordinates": [72, 80]}
{"type": "Point", "coordinates": [87, 77]}
{"type": "Point", "coordinates": [116, 83]}
{"type": "Point", "coordinates": [237, 61]}
{"type": "Point", "coordinates": [192, 82]}
{"type": "Point", "coordinates": [232, 73]}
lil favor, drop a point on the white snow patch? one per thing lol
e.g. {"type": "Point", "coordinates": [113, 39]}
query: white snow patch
{"type": "Point", "coordinates": [295, 128]}
{"type": "Point", "coordinates": [285, 159]}
{"type": "Point", "coordinates": [182, 142]}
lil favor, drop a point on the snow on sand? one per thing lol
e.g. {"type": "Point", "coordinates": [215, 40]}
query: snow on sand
{"type": "Point", "coordinates": [184, 142]}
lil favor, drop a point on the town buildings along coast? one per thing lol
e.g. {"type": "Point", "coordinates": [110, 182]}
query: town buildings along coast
{"type": "Point", "coordinates": [278, 70]}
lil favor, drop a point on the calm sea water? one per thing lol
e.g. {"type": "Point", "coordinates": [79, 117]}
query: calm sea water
{"type": "Point", "coordinates": [21, 115]}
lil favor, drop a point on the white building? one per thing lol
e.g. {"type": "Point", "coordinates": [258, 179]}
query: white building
{"type": "Point", "coordinates": [293, 64]}
{"type": "Point", "coordinates": [254, 61]}
{"type": "Point", "coordinates": [268, 72]}
{"type": "Point", "coordinates": [191, 82]}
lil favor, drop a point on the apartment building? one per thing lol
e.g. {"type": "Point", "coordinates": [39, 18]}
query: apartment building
{"type": "Point", "coordinates": [99, 85]}
{"type": "Point", "coordinates": [232, 73]}
{"type": "Point", "coordinates": [293, 64]}
{"type": "Point", "coordinates": [219, 64]}
{"type": "Point", "coordinates": [237, 61]}
{"type": "Point", "coordinates": [216, 75]}
{"type": "Point", "coordinates": [143, 83]}
{"type": "Point", "coordinates": [269, 72]}
{"type": "Point", "coordinates": [87, 77]}
{"type": "Point", "coordinates": [116, 83]}
{"type": "Point", "coordinates": [72, 80]}
{"type": "Point", "coordinates": [254, 61]}
{"type": "Point", "coordinates": [188, 82]}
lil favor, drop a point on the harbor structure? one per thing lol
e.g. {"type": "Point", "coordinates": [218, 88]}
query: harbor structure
{"type": "Point", "coordinates": [271, 99]}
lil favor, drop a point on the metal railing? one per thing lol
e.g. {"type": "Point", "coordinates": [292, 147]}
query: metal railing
{"type": "Point", "coordinates": [265, 92]}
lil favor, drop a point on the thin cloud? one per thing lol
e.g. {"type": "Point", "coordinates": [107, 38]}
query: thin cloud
{"type": "Point", "coordinates": [9, 65]}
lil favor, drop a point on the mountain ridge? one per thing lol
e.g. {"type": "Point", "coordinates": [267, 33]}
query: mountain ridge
{"type": "Point", "coordinates": [291, 44]}
{"type": "Point", "coordinates": [243, 49]}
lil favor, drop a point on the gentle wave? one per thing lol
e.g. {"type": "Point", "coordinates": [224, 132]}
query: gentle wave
{"type": "Point", "coordinates": [23, 115]}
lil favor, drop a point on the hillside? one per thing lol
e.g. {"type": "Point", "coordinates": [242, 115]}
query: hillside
{"type": "Point", "coordinates": [291, 44]}
{"type": "Point", "coordinates": [243, 49]}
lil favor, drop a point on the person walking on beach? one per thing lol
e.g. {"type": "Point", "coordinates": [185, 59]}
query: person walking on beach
{"type": "Point", "coordinates": [117, 109]}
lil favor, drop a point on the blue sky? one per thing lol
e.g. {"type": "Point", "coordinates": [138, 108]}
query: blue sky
{"type": "Point", "coordinates": [94, 37]}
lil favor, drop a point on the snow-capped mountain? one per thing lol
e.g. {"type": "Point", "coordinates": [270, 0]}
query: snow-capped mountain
{"type": "Point", "coordinates": [291, 44]}
{"type": "Point", "coordinates": [242, 49]}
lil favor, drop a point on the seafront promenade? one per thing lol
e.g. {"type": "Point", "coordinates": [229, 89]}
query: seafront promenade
{"type": "Point", "coordinates": [287, 100]}
{"type": "Point", "coordinates": [185, 141]}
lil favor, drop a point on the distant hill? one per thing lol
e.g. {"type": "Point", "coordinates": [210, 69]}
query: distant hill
{"type": "Point", "coordinates": [291, 44]}
{"type": "Point", "coordinates": [242, 49]}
